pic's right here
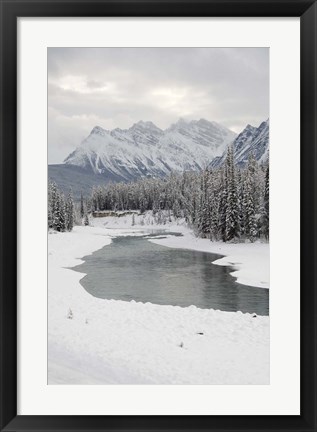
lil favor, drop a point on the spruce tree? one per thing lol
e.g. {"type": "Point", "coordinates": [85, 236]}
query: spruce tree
{"type": "Point", "coordinates": [69, 210]}
{"type": "Point", "coordinates": [241, 209]}
{"type": "Point", "coordinates": [62, 215]}
{"type": "Point", "coordinates": [223, 202]}
{"type": "Point", "coordinates": [249, 204]}
{"type": "Point", "coordinates": [82, 210]}
{"type": "Point", "coordinates": [265, 213]}
{"type": "Point", "coordinates": [50, 205]}
{"type": "Point", "coordinates": [232, 211]}
{"type": "Point", "coordinates": [204, 218]}
{"type": "Point", "coordinates": [56, 210]}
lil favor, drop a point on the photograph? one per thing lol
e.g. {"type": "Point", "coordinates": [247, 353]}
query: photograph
{"type": "Point", "coordinates": [158, 216]}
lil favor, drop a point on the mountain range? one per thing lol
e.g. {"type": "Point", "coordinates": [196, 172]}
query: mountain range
{"type": "Point", "coordinates": [144, 150]}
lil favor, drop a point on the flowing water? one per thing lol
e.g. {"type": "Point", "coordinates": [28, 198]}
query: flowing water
{"type": "Point", "coordinates": [133, 268]}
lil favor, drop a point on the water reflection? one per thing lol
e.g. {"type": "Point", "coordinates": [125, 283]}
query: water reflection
{"type": "Point", "coordinates": [132, 268]}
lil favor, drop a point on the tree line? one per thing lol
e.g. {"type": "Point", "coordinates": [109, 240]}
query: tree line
{"type": "Point", "coordinates": [228, 203]}
{"type": "Point", "coordinates": [60, 209]}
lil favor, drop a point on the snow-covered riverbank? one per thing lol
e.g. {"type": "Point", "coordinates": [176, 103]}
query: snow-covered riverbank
{"type": "Point", "coordinates": [116, 342]}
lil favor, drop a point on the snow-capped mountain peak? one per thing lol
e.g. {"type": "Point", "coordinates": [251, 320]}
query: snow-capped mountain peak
{"type": "Point", "coordinates": [145, 125]}
{"type": "Point", "coordinates": [146, 150]}
{"type": "Point", "coordinates": [97, 130]}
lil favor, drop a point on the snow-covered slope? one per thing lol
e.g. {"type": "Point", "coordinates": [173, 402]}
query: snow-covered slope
{"type": "Point", "coordinates": [250, 140]}
{"type": "Point", "coordinates": [146, 150]}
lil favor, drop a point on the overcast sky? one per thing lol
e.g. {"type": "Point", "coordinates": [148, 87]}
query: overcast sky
{"type": "Point", "coordinates": [116, 87]}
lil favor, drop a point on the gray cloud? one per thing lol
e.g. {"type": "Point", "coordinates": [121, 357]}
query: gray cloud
{"type": "Point", "coordinates": [116, 87]}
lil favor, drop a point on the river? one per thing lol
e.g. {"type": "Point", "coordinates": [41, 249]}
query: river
{"type": "Point", "coordinates": [133, 268]}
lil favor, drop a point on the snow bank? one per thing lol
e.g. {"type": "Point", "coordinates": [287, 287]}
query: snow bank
{"type": "Point", "coordinates": [116, 342]}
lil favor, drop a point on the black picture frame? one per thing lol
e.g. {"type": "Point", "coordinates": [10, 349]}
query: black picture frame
{"type": "Point", "coordinates": [10, 11]}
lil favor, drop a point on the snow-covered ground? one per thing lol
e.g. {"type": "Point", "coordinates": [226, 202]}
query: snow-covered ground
{"type": "Point", "coordinates": [116, 342]}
